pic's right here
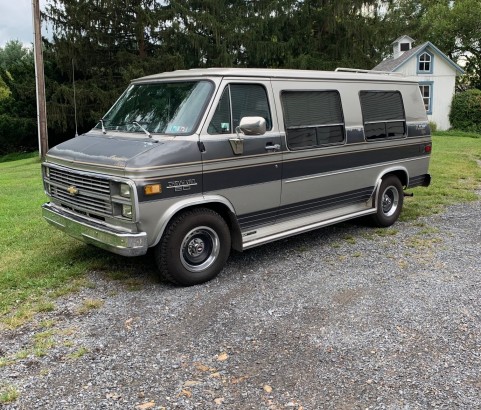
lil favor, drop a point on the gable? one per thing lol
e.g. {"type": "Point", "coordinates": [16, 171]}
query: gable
{"type": "Point", "coordinates": [412, 55]}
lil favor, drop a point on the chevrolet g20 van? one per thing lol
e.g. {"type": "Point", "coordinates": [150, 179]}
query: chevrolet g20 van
{"type": "Point", "coordinates": [198, 162]}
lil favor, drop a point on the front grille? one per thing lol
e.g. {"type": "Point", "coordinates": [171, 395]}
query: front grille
{"type": "Point", "coordinates": [92, 194]}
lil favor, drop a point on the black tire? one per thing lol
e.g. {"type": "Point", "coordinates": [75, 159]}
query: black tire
{"type": "Point", "coordinates": [194, 247]}
{"type": "Point", "coordinates": [389, 202]}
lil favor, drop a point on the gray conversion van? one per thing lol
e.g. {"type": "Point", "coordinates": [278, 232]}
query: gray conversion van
{"type": "Point", "coordinates": [198, 162]}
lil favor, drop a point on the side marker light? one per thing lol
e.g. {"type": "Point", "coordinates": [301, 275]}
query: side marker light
{"type": "Point", "coordinates": [153, 189]}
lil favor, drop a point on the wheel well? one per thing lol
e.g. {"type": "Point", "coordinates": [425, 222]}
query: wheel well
{"type": "Point", "coordinates": [400, 174]}
{"type": "Point", "coordinates": [228, 217]}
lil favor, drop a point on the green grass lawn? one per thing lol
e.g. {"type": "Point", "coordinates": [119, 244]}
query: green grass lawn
{"type": "Point", "coordinates": [455, 175]}
{"type": "Point", "coordinates": [38, 263]}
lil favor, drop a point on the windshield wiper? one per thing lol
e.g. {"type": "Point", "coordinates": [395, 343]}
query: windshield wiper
{"type": "Point", "coordinates": [142, 128]}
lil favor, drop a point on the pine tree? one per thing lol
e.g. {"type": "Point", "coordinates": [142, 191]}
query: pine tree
{"type": "Point", "coordinates": [103, 44]}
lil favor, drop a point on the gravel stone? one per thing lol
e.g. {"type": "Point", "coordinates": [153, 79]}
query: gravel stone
{"type": "Point", "coordinates": [346, 317]}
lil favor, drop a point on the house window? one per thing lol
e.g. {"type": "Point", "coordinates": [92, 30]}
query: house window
{"type": "Point", "coordinates": [425, 63]}
{"type": "Point", "coordinates": [427, 94]}
{"type": "Point", "coordinates": [404, 46]}
{"type": "Point", "coordinates": [312, 118]}
{"type": "Point", "coordinates": [383, 115]}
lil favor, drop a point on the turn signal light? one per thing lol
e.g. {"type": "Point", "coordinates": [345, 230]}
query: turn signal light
{"type": "Point", "coordinates": [427, 149]}
{"type": "Point", "coordinates": [153, 189]}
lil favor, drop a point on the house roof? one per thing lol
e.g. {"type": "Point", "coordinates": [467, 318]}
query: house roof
{"type": "Point", "coordinates": [399, 39]}
{"type": "Point", "coordinates": [392, 64]}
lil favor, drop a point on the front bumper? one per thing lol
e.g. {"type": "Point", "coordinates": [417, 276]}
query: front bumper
{"type": "Point", "coordinates": [88, 231]}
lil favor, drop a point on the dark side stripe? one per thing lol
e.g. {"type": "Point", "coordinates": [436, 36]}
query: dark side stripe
{"type": "Point", "coordinates": [256, 219]}
{"type": "Point", "coordinates": [301, 167]}
{"type": "Point", "coordinates": [329, 163]}
{"type": "Point", "coordinates": [297, 168]}
{"type": "Point", "coordinates": [237, 177]}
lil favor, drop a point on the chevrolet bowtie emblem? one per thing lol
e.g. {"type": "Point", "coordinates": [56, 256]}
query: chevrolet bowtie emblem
{"type": "Point", "coordinates": [72, 190]}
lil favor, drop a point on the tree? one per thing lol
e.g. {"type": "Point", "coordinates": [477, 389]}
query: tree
{"type": "Point", "coordinates": [18, 130]}
{"type": "Point", "coordinates": [4, 90]}
{"type": "Point", "coordinates": [103, 44]}
{"type": "Point", "coordinates": [308, 34]}
{"type": "Point", "coordinates": [456, 27]}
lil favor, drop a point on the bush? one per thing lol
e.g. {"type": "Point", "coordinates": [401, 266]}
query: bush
{"type": "Point", "coordinates": [465, 112]}
{"type": "Point", "coordinates": [17, 134]}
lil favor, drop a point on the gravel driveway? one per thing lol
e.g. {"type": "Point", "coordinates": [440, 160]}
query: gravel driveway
{"type": "Point", "coordinates": [345, 317]}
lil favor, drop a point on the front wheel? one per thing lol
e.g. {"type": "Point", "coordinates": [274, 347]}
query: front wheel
{"type": "Point", "coordinates": [194, 247]}
{"type": "Point", "coordinates": [389, 202]}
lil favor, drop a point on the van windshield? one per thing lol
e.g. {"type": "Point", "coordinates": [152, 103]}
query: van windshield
{"type": "Point", "coordinates": [164, 108]}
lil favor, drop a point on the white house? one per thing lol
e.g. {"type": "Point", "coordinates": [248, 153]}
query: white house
{"type": "Point", "coordinates": [434, 71]}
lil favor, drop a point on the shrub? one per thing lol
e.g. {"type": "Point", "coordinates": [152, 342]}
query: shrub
{"type": "Point", "coordinates": [465, 112]}
{"type": "Point", "coordinates": [17, 134]}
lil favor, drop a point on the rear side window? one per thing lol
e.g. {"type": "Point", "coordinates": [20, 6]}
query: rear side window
{"type": "Point", "coordinates": [238, 101]}
{"type": "Point", "coordinates": [312, 118]}
{"type": "Point", "coordinates": [383, 114]}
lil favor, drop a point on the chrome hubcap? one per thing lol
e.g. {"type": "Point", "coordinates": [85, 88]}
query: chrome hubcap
{"type": "Point", "coordinates": [199, 249]}
{"type": "Point", "coordinates": [196, 247]}
{"type": "Point", "coordinates": [390, 201]}
{"type": "Point", "coordinates": [387, 203]}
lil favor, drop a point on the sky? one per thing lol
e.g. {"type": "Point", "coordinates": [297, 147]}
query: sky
{"type": "Point", "coordinates": [16, 21]}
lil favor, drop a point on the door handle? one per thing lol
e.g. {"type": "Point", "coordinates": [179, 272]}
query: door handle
{"type": "Point", "coordinates": [273, 147]}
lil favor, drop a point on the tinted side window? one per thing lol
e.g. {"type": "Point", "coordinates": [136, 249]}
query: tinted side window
{"type": "Point", "coordinates": [383, 114]}
{"type": "Point", "coordinates": [238, 101]}
{"type": "Point", "coordinates": [312, 118]}
{"type": "Point", "coordinates": [221, 122]}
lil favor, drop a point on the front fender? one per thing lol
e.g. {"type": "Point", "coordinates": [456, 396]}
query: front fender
{"type": "Point", "coordinates": [188, 203]}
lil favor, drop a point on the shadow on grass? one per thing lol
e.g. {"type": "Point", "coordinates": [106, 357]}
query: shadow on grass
{"type": "Point", "coordinates": [116, 267]}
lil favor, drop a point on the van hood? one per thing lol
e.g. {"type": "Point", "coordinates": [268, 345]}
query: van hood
{"type": "Point", "coordinates": [101, 150]}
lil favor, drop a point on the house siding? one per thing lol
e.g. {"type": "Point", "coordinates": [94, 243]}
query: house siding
{"type": "Point", "coordinates": [444, 81]}
{"type": "Point", "coordinates": [441, 77]}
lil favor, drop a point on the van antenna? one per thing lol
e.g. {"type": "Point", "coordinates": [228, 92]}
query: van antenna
{"type": "Point", "coordinates": [74, 98]}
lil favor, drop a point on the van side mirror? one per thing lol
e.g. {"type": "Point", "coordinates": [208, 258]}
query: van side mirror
{"type": "Point", "coordinates": [247, 126]}
{"type": "Point", "coordinates": [252, 125]}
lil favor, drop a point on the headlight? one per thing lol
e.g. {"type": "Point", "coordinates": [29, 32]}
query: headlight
{"type": "Point", "coordinates": [125, 190]}
{"type": "Point", "coordinates": [127, 211]}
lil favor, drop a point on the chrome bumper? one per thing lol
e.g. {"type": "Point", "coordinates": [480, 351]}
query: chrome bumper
{"type": "Point", "coordinates": [115, 241]}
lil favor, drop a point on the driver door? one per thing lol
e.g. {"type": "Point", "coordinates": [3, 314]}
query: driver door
{"type": "Point", "coordinates": [250, 178]}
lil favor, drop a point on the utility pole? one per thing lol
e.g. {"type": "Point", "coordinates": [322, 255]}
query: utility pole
{"type": "Point", "coordinates": [40, 81]}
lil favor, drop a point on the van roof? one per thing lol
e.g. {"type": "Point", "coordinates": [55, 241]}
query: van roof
{"type": "Point", "coordinates": [353, 75]}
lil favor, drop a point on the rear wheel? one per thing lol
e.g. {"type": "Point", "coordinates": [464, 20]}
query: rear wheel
{"type": "Point", "coordinates": [389, 201]}
{"type": "Point", "coordinates": [194, 247]}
